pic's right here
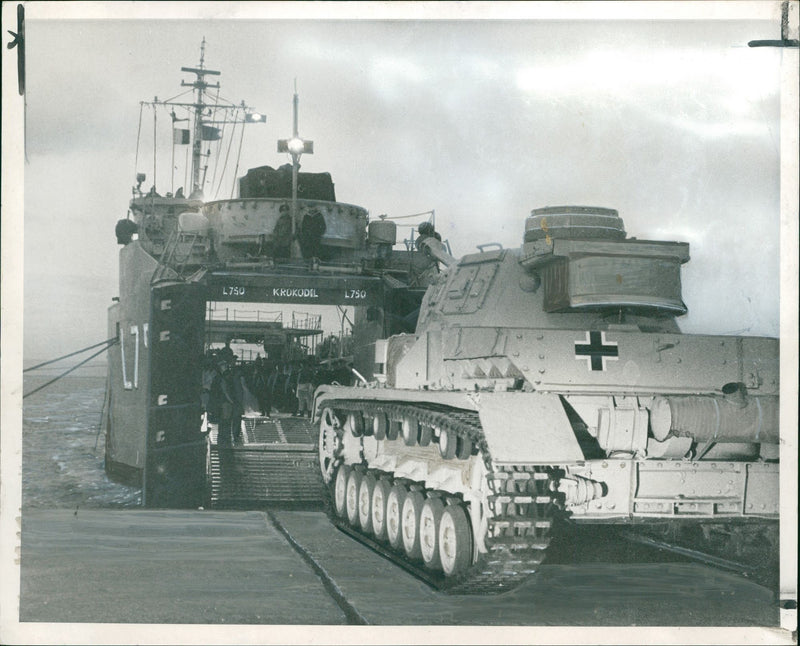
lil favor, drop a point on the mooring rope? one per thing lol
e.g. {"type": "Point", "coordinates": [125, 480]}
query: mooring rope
{"type": "Point", "coordinates": [71, 354]}
{"type": "Point", "coordinates": [75, 367]}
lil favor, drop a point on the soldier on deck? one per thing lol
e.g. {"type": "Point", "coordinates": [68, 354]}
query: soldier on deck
{"type": "Point", "coordinates": [426, 230]}
{"type": "Point", "coordinates": [282, 234]}
{"type": "Point", "coordinates": [305, 390]}
{"type": "Point", "coordinates": [312, 229]}
{"type": "Point", "coordinates": [209, 373]}
{"type": "Point", "coordinates": [226, 354]}
{"type": "Point", "coordinates": [227, 390]}
{"type": "Point", "coordinates": [260, 387]}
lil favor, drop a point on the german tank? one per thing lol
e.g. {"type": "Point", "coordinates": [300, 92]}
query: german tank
{"type": "Point", "coordinates": [545, 382]}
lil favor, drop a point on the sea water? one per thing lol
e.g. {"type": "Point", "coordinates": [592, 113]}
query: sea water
{"type": "Point", "coordinates": [62, 446]}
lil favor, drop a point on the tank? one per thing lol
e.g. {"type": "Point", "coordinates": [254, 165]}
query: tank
{"type": "Point", "coordinates": [550, 384]}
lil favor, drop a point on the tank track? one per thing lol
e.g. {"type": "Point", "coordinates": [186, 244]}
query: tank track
{"type": "Point", "coordinates": [521, 504]}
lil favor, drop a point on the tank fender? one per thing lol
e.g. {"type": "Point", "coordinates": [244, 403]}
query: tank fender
{"type": "Point", "coordinates": [526, 428]}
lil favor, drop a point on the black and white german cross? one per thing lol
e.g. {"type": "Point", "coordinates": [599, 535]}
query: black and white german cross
{"type": "Point", "coordinates": [596, 350]}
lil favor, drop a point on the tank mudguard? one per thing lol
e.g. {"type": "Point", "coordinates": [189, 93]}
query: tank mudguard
{"type": "Point", "coordinates": [520, 428]}
{"type": "Point", "coordinates": [527, 428]}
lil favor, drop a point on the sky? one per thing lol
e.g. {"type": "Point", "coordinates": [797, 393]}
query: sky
{"type": "Point", "coordinates": [479, 111]}
{"type": "Point", "coordinates": [672, 121]}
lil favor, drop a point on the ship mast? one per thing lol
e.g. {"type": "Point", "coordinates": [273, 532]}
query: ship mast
{"type": "Point", "coordinates": [295, 147]}
{"type": "Point", "coordinates": [200, 85]}
{"type": "Point", "coordinates": [204, 127]}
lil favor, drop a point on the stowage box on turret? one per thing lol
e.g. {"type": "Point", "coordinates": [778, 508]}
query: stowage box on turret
{"type": "Point", "coordinates": [551, 381]}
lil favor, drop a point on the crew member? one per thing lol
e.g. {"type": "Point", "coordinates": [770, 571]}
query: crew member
{"type": "Point", "coordinates": [312, 229]}
{"type": "Point", "coordinates": [260, 377]}
{"type": "Point", "coordinates": [208, 381]}
{"type": "Point", "coordinates": [226, 354]}
{"type": "Point", "coordinates": [282, 234]}
{"type": "Point", "coordinates": [228, 391]}
{"type": "Point", "coordinates": [426, 230]}
{"type": "Point", "coordinates": [305, 390]}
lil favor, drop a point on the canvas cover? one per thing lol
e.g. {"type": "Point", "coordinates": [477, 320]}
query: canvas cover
{"type": "Point", "coordinates": [632, 274]}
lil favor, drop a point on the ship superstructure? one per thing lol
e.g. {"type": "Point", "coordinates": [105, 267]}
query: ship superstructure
{"type": "Point", "coordinates": [290, 286]}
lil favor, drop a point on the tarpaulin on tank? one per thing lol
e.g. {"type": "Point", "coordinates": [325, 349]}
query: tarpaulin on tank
{"type": "Point", "coordinates": [266, 181]}
{"type": "Point", "coordinates": [601, 281]}
{"type": "Point", "coordinates": [586, 274]}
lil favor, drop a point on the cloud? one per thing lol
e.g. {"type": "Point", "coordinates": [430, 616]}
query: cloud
{"type": "Point", "coordinates": [705, 93]}
{"type": "Point", "coordinates": [671, 123]}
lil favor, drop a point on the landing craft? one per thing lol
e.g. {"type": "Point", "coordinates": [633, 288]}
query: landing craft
{"type": "Point", "coordinates": [280, 289]}
{"type": "Point", "coordinates": [550, 384]}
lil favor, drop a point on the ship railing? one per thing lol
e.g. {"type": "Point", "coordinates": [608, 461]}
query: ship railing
{"type": "Point", "coordinates": [236, 314]}
{"type": "Point", "coordinates": [181, 250]}
{"type": "Point", "coordinates": [304, 321]}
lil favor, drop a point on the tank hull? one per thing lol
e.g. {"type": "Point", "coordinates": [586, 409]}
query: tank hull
{"type": "Point", "coordinates": [529, 430]}
{"type": "Point", "coordinates": [515, 468]}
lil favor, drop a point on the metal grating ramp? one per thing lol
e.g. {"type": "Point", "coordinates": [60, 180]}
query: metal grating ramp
{"type": "Point", "coordinates": [269, 431]}
{"type": "Point", "coordinates": [276, 463]}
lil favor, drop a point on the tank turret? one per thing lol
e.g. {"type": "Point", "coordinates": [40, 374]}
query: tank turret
{"type": "Point", "coordinates": [551, 381]}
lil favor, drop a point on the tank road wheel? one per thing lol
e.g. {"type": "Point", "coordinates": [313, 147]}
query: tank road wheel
{"type": "Point", "coordinates": [410, 431]}
{"type": "Point", "coordinates": [351, 496]}
{"type": "Point", "coordinates": [429, 521]}
{"type": "Point", "coordinates": [393, 430]}
{"type": "Point", "coordinates": [379, 426]}
{"type": "Point", "coordinates": [380, 494]}
{"type": "Point", "coordinates": [365, 502]}
{"type": "Point", "coordinates": [355, 423]}
{"type": "Point", "coordinates": [447, 444]}
{"type": "Point", "coordinates": [455, 541]}
{"type": "Point", "coordinates": [463, 447]}
{"type": "Point", "coordinates": [425, 435]}
{"type": "Point", "coordinates": [409, 527]}
{"type": "Point", "coordinates": [330, 444]}
{"type": "Point", "coordinates": [340, 490]}
{"type": "Point", "coordinates": [394, 513]}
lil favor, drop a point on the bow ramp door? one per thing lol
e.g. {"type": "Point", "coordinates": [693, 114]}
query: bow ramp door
{"type": "Point", "coordinates": [175, 467]}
